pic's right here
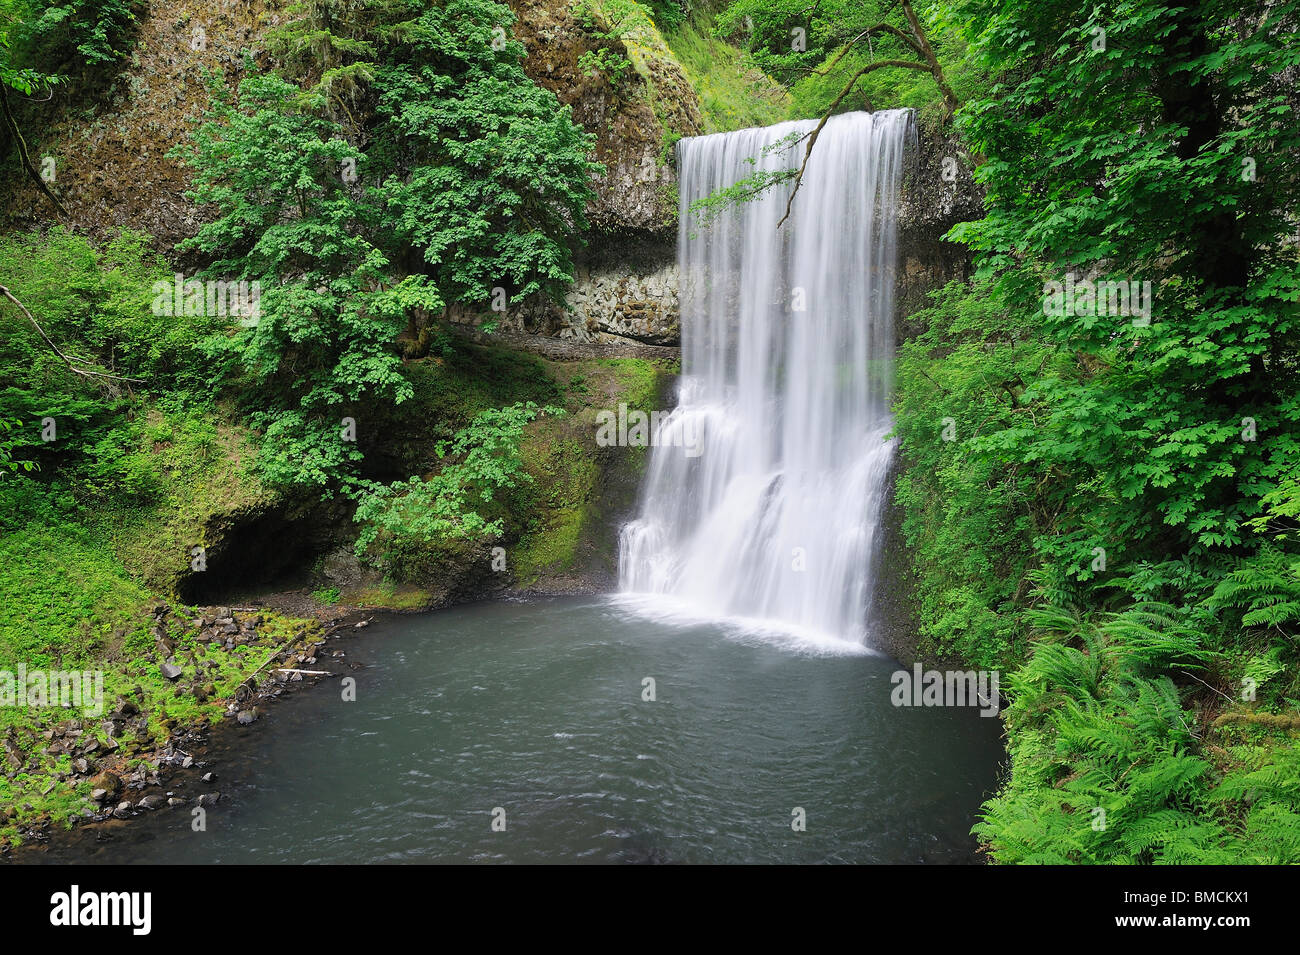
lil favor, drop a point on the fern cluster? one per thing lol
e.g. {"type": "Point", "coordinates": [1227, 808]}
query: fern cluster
{"type": "Point", "coordinates": [1110, 763]}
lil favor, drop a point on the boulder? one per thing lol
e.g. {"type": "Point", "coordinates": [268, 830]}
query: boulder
{"type": "Point", "coordinates": [108, 782]}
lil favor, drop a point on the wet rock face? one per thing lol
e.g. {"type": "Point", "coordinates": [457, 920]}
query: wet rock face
{"type": "Point", "coordinates": [607, 307]}
{"type": "Point", "coordinates": [622, 293]}
{"type": "Point", "coordinates": [614, 304]}
{"type": "Point", "coordinates": [637, 191]}
{"type": "Point", "coordinates": [626, 305]}
{"type": "Point", "coordinates": [938, 191]}
{"type": "Point", "coordinates": [109, 144]}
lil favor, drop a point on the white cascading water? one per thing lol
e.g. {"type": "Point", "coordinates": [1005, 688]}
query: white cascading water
{"type": "Point", "coordinates": [765, 486]}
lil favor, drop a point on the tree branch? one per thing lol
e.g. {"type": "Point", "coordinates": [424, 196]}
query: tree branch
{"type": "Point", "coordinates": [949, 98]}
{"type": "Point", "coordinates": [878, 28]}
{"type": "Point", "coordinates": [812, 138]}
{"type": "Point", "coordinates": [22, 151]}
{"type": "Point", "coordinates": [931, 66]}
{"type": "Point", "coordinates": [89, 373]}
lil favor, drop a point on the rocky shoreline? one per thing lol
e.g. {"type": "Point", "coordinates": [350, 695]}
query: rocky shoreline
{"type": "Point", "coordinates": [129, 772]}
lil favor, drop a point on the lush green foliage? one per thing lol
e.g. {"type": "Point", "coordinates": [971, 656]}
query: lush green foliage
{"type": "Point", "coordinates": [667, 14]}
{"type": "Point", "coordinates": [491, 182]}
{"type": "Point", "coordinates": [323, 335]}
{"type": "Point", "coordinates": [966, 518]}
{"type": "Point", "coordinates": [1109, 766]}
{"type": "Point", "coordinates": [7, 444]}
{"type": "Point", "coordinates": [472, 179]}
{"type": "Point", "coordinates": [58, 34]}
{"type": "Point", "coordinates": [734, 92]}
{"type": "Point", "coordinates": [96, 304]}
{"type": "Point", "coordinates": [14, 74]}
{"type": "Point", "coordinates": [42, 41]}
{"type": "Point", "coordinates": [484, 461]}
{"type": "Point", "coordinates": [1147, 471]}
{"type": "Point", "coordinates": [613, 20]}
{"type": "Point", "coordinates": [815, 50]}
{"type": "Point", "coordinates": [1151, 429]}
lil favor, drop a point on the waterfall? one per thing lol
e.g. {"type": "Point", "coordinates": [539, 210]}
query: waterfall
{"type": "Point", "coordinates": [765, 485]}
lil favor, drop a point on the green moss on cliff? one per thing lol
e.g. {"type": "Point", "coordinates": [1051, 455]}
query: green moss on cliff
{"type": "Point", "coordinates": [566, 474]}
{"type": "Point", "coordinates": [199, 466]}
{"type": "Point", "coordinates": [573, 491]}
{"type": "Point", "coordinates": [556, 524]}
{"type": "Point", "coordinates": [71, 605]}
